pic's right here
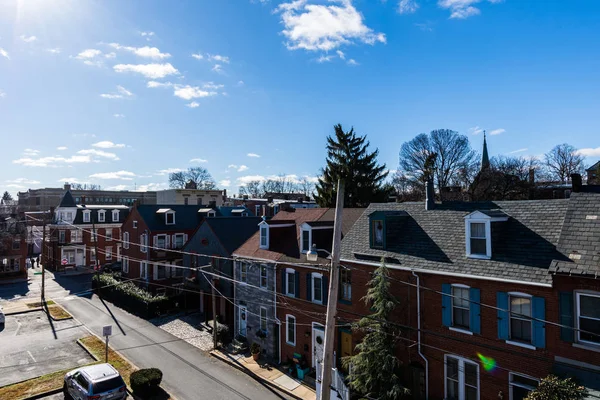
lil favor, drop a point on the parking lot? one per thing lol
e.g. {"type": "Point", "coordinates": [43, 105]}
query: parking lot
{"type": "Point", "coordinates": [31, 345]}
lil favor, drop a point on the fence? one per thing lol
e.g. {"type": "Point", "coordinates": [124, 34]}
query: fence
{"type": "Point", "coordinates": [339, 390]}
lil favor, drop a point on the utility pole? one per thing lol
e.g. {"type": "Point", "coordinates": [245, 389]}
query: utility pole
{"type": "Point", "coordinates": [333, 296]}
{"type": "Point", "coordinates": [95, 237]}
{"type": "Point", "coordinates": [43, 261]}
{"type": "Point", "coordinates": [214, 302]}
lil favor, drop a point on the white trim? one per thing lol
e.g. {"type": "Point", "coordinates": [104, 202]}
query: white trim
{"type": "Point", "coordinates": [115, 212]}
{"type": "Point", "coordinates": [460, 286]}
{"type": "Point", "coordinates": [577, 310]}
{"type": "Point", "coordinates": [287, 338]}
{"type": "Point", "coordinates": [510, 340]}
{"type": "Point", "coordinates": [242, 263]}
{"type": "Point", "coordinates": [521, 344]}
{"type": "Point", "coordinates": [312, 288]}
{"type": "Point", "coordinates": [101, 215]}
{"type": "Point", "coordinates": [466, 332]}
{"type": "Point", "coordinates": [443, 273]}
{"type": "Point", "coordinates": [134, 224]}
{"type": "Point", "coordinates": [302, 230]}
{"type": "Point", "coordinates": [87, 217]}
{"type": "Point", "coordinates": [126, 240]}
{"type": "Point", "coordinates": [461, 375]}
{"type": "Point", "coordinates": [587, 346]}
{"type": "Point", "coordinates": [488, 237]}
{"type": "Point", "coordinates": [520, 385]}
{"type": "Point", "coordinates": [260, 235]}
{"type": "Point", "coordinates": [577, 363]}
{"type": "Point", "coordinates": [288, 271]}
{"type": "Point", "coordinates": [170, 212]}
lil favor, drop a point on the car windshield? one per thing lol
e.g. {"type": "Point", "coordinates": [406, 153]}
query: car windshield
{"type": "Point", "coordinates": [108, 384]}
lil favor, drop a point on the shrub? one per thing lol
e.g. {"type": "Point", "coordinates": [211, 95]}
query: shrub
{"type": "Point", "coordinates": [255, 348]}
{"type": "Point", "coordinates": [223, 333]}
{"type": "Point", "coordinates": [146, 382]}
{"type": "Point", "coordinates": [554, 388]}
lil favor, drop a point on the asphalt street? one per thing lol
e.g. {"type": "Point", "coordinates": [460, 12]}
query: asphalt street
{"type": "Point", "coordinates": [188, 372]}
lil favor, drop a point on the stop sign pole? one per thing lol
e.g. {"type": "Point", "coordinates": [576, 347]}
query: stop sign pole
{"type": "Point", "coordinates": [106, 332]}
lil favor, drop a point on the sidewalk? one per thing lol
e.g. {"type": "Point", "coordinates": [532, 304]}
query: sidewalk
{"type": "Point", "coordinates": [268, 374]}
{"type": "Point", "coordinates": [20, 306]}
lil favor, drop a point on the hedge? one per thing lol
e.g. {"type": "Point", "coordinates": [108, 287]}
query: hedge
{"type": "Point", "coordinates": [146, 382]}
{"type": "Point", "coordinates": [130, 297]}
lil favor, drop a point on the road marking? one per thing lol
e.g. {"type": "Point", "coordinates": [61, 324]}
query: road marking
{"type": "Point", "coordinates": [30, 355]}
{"type": "Point", "coordinates": [18, 327]}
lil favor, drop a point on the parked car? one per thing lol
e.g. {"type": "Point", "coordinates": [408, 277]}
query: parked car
{"type": "Point", "coordinates": [116, 266]}
{"type": "Point", "coordinates": [97, 382]}
{"type": "Point", "coordinates": [2, 317]}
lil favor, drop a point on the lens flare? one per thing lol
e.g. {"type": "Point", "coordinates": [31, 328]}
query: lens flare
{"type": "Point", "coordinates": [489, 364]}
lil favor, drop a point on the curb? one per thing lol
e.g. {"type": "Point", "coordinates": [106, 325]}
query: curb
{"type": "Point", "coordinates": [42, 395]}
{"type": "Point", "coordinates": [24, 311]}
{"type": "Point", "coordinates": [255, 376]}
{"type": "Point", "coordinates": [59, 319]}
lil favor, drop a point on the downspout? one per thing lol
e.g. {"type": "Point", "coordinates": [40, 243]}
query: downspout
{"type": "Point", "coordinates": [419, 335]}
{"type": "Point", "coordinates": [275, 308]}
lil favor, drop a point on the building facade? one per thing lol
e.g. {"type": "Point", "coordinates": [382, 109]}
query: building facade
{"type": "Point", "coordinates": [200, 197]}
{"type": "Point", "coordinates": [13, 248]}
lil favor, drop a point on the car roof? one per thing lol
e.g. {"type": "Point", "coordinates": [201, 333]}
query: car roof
{"type": "Point", "coordinates": [99, 372]}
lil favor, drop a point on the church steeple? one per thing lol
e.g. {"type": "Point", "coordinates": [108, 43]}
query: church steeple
{"type": "Point", "coordinates": [485, 158]}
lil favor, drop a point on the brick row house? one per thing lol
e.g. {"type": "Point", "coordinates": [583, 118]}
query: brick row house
{"type": "Point", "coordinates": [13, 248]}
{"type": "Point", "coordinates": [281, 305]}
{"type": "Point", "coordinates": [70, 238]}
{"type": "Point", "coordinates": [502, 293]}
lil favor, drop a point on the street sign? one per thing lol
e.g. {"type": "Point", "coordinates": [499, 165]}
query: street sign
{"type": "Point", "coordinates": [64, 261]}
{"type": "Point", "coordinates": [107, 330]}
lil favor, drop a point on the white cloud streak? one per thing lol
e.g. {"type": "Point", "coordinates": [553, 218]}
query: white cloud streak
{"type": "Point", "coordinates": [225, 183]}
{"type": "Point", "coordinates": [253, 155]}
{"type": "Point", "coordinates": [188, 92]}
{"type": "Point", "coordinates": [218, 58]}
{"type": "Point", "coordinates": [4, 54]}
{"type": "Point", "coordinates": [106, 144]}
{"type": "Point", "coordinates": [497, 131]}
{"type": "Point", "coordinates": [151, 71]}
{"type": "Point", "coordinates": [168, 171]}
{"type": "Point", "coordinates": [519, 151]}
{"type": "Point", "coordinates": [120, 175]}
{"type": "Point", "coordinates": [407, 6]}
{"type": "Point", "coordinates": [24, 181]}
{"type": "Point", "coordinates": [193, 104]}
{"type": "Point", "coordinates": [461, 9]}
{"type": "Point", "coordinates": [28, 39]}
{"type": "Point", "coordinates": [52, 161]}
{"type": "Point", "coordinates": [99, 153]}
{"type": "Point", "coordinates": [197, 56]}
{"type": "Point", "coordinates": [589, 152]}
{"type": "Point", "coordinates": [61, 148]}
{"type": "Point", "coordinates": [198, 160]}
{"type": "Point", "coordinates": [476, 130]}
{"type": "Point", "coordinates": [55, 50]}
{"type": "Point", "coordinates": [242, 168]}
{"type": "Point", "coordinates": [145, 52]}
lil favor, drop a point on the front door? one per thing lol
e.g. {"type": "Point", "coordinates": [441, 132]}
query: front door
{"type": "Point", "coordinates": [242, 321]}
{"type": "Point", "coordinates": [318, 342]}
{"type": "Point", "coordinates": [79, 259]}
{"type": "Point", "coordinates": [345, 344]}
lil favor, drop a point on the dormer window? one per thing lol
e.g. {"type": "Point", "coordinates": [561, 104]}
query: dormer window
{"type": "Point", "coordinates": [264, 236]}
{"type": "Point", "coordinates": [377, 232]}
{"type": "Point", "coordinates": [478, 239]}
{"type": "Point", "coordinates": [478, 232]}
{"type": "Point", "coordinates": [306, 240]}
{"type": "Point", "coordinates": [101, 216]}
{"type": "Point", "coordinates": [170, 218]}
{"type": "Point", "coordinates": [211, 214]}
{"type": "Point", "coordinates": [86, 216]}
{"type": "Point", "coordinates": [115, 215]}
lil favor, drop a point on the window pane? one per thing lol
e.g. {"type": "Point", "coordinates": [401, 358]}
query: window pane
{"type": "Point", "coordinates": [452, 368]}
{"type": "Point", "coordinates": [589, 325]}
{"type": "Point", "coordinates": [452, 389]}
{"type": "Point", "coordinates": [520, 305]}
{"type": "Point", "coordinates": [317, 289]}
{"type": "Point", "coordinates": [305, 240]}
{"type": "Point", "coordinates": [520, 330]}
{"type": "Point", "coordinates": [589, 306]}
{"type": "Point", "coordinates": [478, 230]}
{"type": "Point", "coordinates": [519, 393]}
{"type": "Point", "coordinates": [471, 374]}
{"type": "Point", "coordinates": [291, 283]}
{"type": "Point", "coordinates": [461, 318]}
{"type": "Point", "coordinates": [523, 380]}
{"type": "Point", "coordinates": [478, 246]}
{"type": "Point", "coordinates": [470, 393]}
{"type": "Point", "coordinates": [461, 297]}
{"type": "Point", "coordinates": [378, 233]}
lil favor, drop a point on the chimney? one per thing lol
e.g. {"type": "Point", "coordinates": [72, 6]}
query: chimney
{"type": "Point", "coordinates": [300, 199]}
{"type": "Point", "coordinates": [576, 182]}
{"type": "Point", "coordinates": [531, 176]}
{"type": "Point", "coordinates": [269, 199]}
{"type": "Point", "coordinates": [83, 200]}
{"type": "Point", "coordinates": [430, 195]}
{"type": "Point", "coordinates": [245, 197]}
{"type": "Point", "coordinates": [67, 186]}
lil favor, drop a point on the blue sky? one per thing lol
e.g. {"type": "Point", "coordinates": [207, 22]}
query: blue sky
{"type": "Point", "coordinates": [120, 93]}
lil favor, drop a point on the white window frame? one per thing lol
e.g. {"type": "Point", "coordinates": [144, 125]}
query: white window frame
{"type": "Point", "coordinates": [175, 236]}
{"type": "Point", "coordinates": [115, 215]}
{"type": "Point", "coordinates": [162, 235]}
{"type": "Point", "coordinates": [126, 265]}
{"type": "Point", "coordinates": [144, 243]}
{"type": "Point", "coordinates": [275, 209]}
{"type": "Point", "coordinates": [93, 256]}
{"type": "Point", "coordinates": [108, 234]}
{"type": "Point", "coordinates": [263, 319]}
{"type": "Point", "coordinates": [510, 317]}
{"type": "Point", "coordinates": [302, 239]}
{"type": "Point", "coordinates": [257, 209]}
{"type": "Point", "coordinates": [461, 376]}
{"type": "Point", "coordinates": [125, 240]}
{"type": "Point", "coordinates": [62, 236]}
{"type": "Point", "coordinates": [211, 214]}
{"type": "Point", "coordinates": [167, 217]}
{"type": "Point", "coordinates": [264, 226]}
{"type": "Point", "coordinates": [287, 272]}
{"type": "Point", "coordinates": [144, 270]}
{"type": "Point", "coordinates": [578, 315]}
{"type": "Point", "coordinates": [134, 224]}
{"type": "Point", "coordinates": [454, 327]}
{"type": "Point", "coordinates": [243, 272]}
{"type": "Point", "coordinates": [346, 288]}
{"type": "Point", "coordinates": [108, 253]}
{"type": "Point", "coordinates": [75, 236]}
{"type": "Point", "coordinates": [262, 268]}
{"type": "Point", "coordinates": [101, 216]}
{"type": "Point", "coordinates": [313, 276]}
{"type": "Point", "coordinates": [292, 342]}
{"type": "Point", "coordinates": [511, 384]}
{"type": "Point", "coordinates": [69, 216]}
{"type": "Point", "coordinates": [86, 216]}
{"type": "Point", "coordinates": [488, 237]}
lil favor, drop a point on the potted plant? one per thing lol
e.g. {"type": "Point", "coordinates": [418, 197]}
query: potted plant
{"type": "Point", "coordinates": [255, 350]}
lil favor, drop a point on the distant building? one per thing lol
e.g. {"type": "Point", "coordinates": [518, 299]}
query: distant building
{"type": "Point", "coordinates": [44, 199]}
{"type": "Point", "coordinates": [202, 197]}
{"type": "Point", "coordinates": [593, 174]}
{"type": "Point", "coordinates": [13, 248]}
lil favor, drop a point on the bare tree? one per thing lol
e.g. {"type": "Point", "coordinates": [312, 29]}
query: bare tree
{"type": "Point", "coordinates": [85, 186]}
{"type": "Point", "coordinates": [407, 188]}
{"type": "Point", "coordinates": [198, 177]}
{"type": "Point", "coordinates": [562, 161]}
{"type": "Point", "coordinates": [306, 186]}
{"type": "Point", "coordinates": [252, 189]}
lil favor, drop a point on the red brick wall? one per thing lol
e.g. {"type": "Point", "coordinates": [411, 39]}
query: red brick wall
{"type": "Point", "coordinates": [134, 251]}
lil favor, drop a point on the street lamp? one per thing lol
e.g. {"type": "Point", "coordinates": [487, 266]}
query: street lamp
{"type": "Point", "coordinates": [313, 253]}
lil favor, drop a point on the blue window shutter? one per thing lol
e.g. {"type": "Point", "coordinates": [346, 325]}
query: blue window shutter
{"type": "Point", "coordinates": [502, 304]}
{"type": "Point", "coordinates": [446, 304]}
{"type": "Point", "coordinates": [283, 281]}
{"type": "Point", "coordinates": [566, 316]}
{"type": "Point", "coordinates": [308, 287]}
{"type": "Point", "coordinates": [297, 282]}
{"type": "Point", "coordinates": [325, 288]}
{"type": "Point", "coordinates": [539, 327]}
{"type": "Point", "coordinates": [475, 310]}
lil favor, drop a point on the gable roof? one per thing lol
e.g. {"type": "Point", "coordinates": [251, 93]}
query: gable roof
{"type": "Point", "coordinates": [284, 241]}
{"type": "Point", "coordinates": [186, 217]}
{"type": "Point", "coordinates": [232, 232]}
{"type": "Point", "coordinates": [523, 247]}
{"type": "Point", "coordinates": [594, 167]}
{"type": "Point", "coordinates": [67, 200]}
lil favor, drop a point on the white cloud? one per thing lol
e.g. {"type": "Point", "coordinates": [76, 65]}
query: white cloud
{"type": "Point", "coordinates": [168, 171]}
{"type": "Point", "coordinates": [147, 35]}
{"type": "Point", "coordinates": [461, 9]}
{"type": "Point", "coordinates": [407, 6]}
{"type": "Point", "coordinates": [225, 183]}
{"type": "Point", "coordinates": [198, 160]}
{"type": "Point", "coordinates": [99, 153]}
{"type": "Point", "coordinates": [118, 187]}
{"type": "Point", "coordinates": [352, 61]}
{"type": "Point", "coordinates": [519, 151]}
{"type": "Point", "coordinates": [589, 152]}
{"type": "Point", "coordinates": [31, 152]}
{"type": "Point", "coordinates": [122, 175]}
{"type": "Point", "coordinates": [24, 181]}
{"type": "Point", "coordinates": [52, 161]}
{"type": "Point", "coordinates": [424, 26]}
{"type": "Point", "coordinates": [106, 144]}
{"type": "Point", "coordinates": [2, 94]}
{"type": "Point", "coordinates": [253, 155]}
{"type": "Point", "coordinates": [476, 130]}
{"type": "Point", "coordinates": [15, 186]}
{"type": "Point", "coordinates": [323, 59]}
{"type": "Point", "coordinates": [111, 96]}
{"type": "Point", "coordinates": [3, 53]}
{"type": "Point", "coordinates": [155, 84]}
{"type": "Point", "coordinates": [110, 55]}
{"type": "Point", "coordinates": [152, 71]}
{"type": "Point", "coordinates": [218, 58]}
{"type": "Point", "coordinates": [341, 54]}
{"type": "Point", "coordinates": [70, 180]}
{"type": "Point", "coordinates": [146, 51]}
{"type": "Point", "coordinates": [213, 86]}
{"type": "Point", "coordinates": [119, 115]}
{"type": "Point", "coordinates": [55, 50]}
{"type": "Point", "coordinates": [241, 83]}
{"type": "Point", "coordinates": [249, 178]}
{"type": "Point", "coordinates": [150, 186]}
{"type": "Point", "coordinates": [61, 148]}
{"type": "Point", "coordinates": [497, 131]}
{"type": "Point", "coordinates": [242, 168]}
{"type": "Point", "coordinates": [124, 91]}
{"type": "Point", "coordinates": [217, 68]}
{"type": "Point", "coordinates": [88, 54]}
{"type": "Point", "coordinates": [193, 104]}
{"type": "Point", "coordinates": [198, 56]}
{"type": "Point", "coordinates": [188, 92]}
{"type": "Point", "coordinates": [28, 39]}
{"type": "Point", "coordinates": [324, 27]}
{"type": "Point", "coordinates": [233, 166]}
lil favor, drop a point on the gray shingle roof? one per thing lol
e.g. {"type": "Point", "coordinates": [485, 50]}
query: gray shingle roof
{"type": "Point", "coordinates": [523, 248]}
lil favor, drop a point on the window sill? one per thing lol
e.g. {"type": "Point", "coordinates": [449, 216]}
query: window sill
{"type": "Point", "coordinates": [317, 302]}
{"type": "Point", "coordinates": [523, 345]}
{"type": "Point", "coordinates": [346, 302]}
{"type": "Point", "coordinates": [479, 256]}
{"type": "Point", "coordinates": [291, 344]}
{"type": "Point", "coordinates": [466, 332]}
{"type": "Point", "coordinates": [293, 296]}
{"type": "Point", "coordinates": [587, 346]}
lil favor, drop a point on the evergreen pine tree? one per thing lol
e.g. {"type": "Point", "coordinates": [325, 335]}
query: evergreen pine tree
{"type": "Point", "coordinates": [375, 367]}
{"type": "Point", "coordinates": [6, 197]}
{"type": "Point", "coordinates": [348, 158]}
